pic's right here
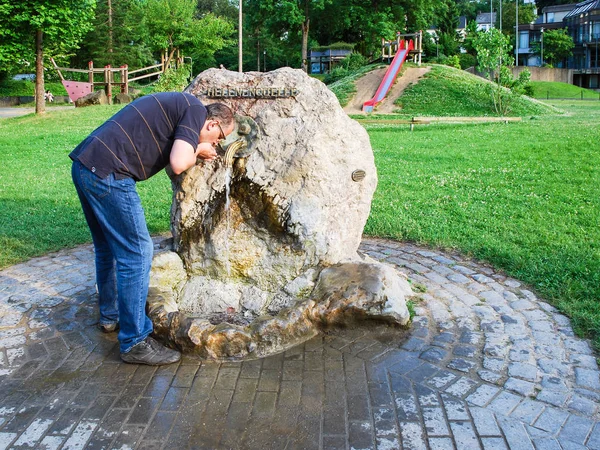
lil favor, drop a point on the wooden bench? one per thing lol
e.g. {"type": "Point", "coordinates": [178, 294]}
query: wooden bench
{"type": "Point", "coordinates": [427, 120]}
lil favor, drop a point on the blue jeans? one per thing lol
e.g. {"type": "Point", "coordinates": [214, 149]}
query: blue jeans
{"type": "Point", "coordinates": [123, 248]}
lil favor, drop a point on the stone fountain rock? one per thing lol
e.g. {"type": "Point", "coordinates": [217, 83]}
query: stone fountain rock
{"type": "Point", "coordinates": [265, 253]}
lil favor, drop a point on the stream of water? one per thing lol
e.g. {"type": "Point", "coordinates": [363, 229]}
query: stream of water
{"type": "Point", "coordinates": [228, 218]}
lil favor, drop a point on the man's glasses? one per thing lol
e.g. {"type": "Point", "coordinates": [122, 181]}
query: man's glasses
{"type": "Point", "coordinates": [222, 137]}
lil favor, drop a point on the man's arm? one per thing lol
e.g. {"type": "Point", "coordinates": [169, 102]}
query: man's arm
{"type": "Point", "coordinates": [183, 155]}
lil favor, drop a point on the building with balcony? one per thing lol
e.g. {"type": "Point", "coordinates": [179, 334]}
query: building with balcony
{"type": "Point", "coordinates": [583, 25]}
{"type": "Point", "coordinates": [582, 21]}
{"type": "Point", "coordinates": [552, 18]}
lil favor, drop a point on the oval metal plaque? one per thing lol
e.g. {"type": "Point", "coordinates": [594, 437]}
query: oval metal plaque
{"type": "Point", "coordinates": [358, 175]}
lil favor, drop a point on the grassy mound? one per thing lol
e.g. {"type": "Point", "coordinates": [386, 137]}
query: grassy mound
{"type": "Point", "coordinates": [445, 91]}
{"type": "Point", "coordinates": [557, 90]}
{"type": "Point", "coordinates": [344, 89]}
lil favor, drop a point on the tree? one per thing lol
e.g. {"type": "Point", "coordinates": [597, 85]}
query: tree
{"type": "Point", "coordinates": [117, 38]}
{"type": "Point", "coordinates": [541, 4]}
{"type": "Point", "coordinates": [30, 27]}
{"type": "Point", "coordinates": [447, 22]}
{"type": "Point", "coordinates": [284, 19]}
{"type": "Point", "coordinates": [470, 8]}
{"type": "Point", "coordinates": [175, 25]}
{"type": "Point", "coordinates": [493, 57]}
{"type": "Point", "coordinates": [558, 45]}
{"type": "Point", "coordinates": [526, 15]}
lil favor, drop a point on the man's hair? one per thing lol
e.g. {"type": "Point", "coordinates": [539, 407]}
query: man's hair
{"type": "Point", "coordinates": [220, 112]}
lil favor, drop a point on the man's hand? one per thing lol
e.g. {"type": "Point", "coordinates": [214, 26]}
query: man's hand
{"type": "Point", "coordinates": [206, 151]}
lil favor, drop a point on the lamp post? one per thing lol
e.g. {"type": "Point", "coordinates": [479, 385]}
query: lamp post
{"type": "Point", "coordinates": [542, 47]}
{"type": "Point", "coordinates": [240, 39]}
{"type": "Point", "coordinates": [264, 60]}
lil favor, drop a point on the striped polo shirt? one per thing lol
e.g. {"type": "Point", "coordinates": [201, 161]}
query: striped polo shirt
{"type": "Point", "coordinates": [136, 142]}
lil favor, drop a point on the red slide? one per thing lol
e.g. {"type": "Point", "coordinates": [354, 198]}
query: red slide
{"type": "Point", "coordinates": [390, 75]}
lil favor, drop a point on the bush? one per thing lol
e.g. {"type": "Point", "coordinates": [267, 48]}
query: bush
{"type": "Point", "coordinates": [354, 61]}
{"type": "Point", "coordinates": [453, 61]}
{"type": "Point", "coordinates": [173, 79]}
{"type": "Point", "coordinates": [467, 60]}
{"type": "Point", "coordinates": [348, 65]}
{"type": "Point", "coordinates": [335, 74]}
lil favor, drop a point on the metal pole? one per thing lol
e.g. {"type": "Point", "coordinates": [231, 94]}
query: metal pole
{"type": "Point", "coordinates": [542, 50]}
{"type": "Point", "coordinates": [264, 60]}
{"type": "Point", "coordinates": [500, 16]}
{"type": "Point", "coordinates": [517, 33]}
{"type": "Point", "coordinates": [240, 39]}
{"type": "Point", "coordinates": [491, 14]}
{"type": "Point", "coordinates": [596, 50]}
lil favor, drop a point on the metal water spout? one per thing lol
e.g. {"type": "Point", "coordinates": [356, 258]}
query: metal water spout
{"type": "Point", "coordinates": [232, 151]}
{"type": "Point", "coordinates": [241, 143]}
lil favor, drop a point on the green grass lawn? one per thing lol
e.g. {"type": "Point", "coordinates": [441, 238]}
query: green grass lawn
{"type": "Point", "coordinates": [40, 209]}
{"type": "Point", "coordinates": [556, 90]}
{"type": "Point", "coordinates": [523, 196]}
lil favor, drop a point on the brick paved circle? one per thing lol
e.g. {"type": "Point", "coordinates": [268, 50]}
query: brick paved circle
{"type": "Point", "coordinates": [486, 364]}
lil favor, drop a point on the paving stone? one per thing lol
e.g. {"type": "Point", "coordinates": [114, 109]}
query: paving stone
{"type": "Point", "coordinates": [80, 436]}
{"type": "Point", "coordinates": [455, 409]}
{"type": "Point", "coordinates": [434, 354]}
{"type": "Point", "coordinates": [464, 435]}
{"type": "Point", "coordinates": [521, 370]}
{"type": "Point", "coordinates": [515, 434]}
{"type": "Point", "coordinates": [412, 436]}
{"type": "Point", "coordinates": [482, 395]}
{"type": "Point", "coordinates": [583, 405]}
{"type": "Point", "coordinates": [547, 444]}
{"type": "Point", "coordinates": [551, 420]}
{"type": "Point", "coordinates": [485, 422]}
{"type": "Point", "coordinates": [594, 438]}
{"type": "Point", "coordinates": [461, 365]}
{"type": "Point", "coordinates": [576, 429]}
{"type": "Point", "coordinates": [461, 387]}
{"type": "Point", "coordinates": [504, 403]}
{"type": "Point", "coordinates": [525, 388]}
{"type": "Point", "coordinates": [435, 423]}
{"type": "Point", "coordinates": [587, 378]}
{"type": "Point", "coordinates": [493, 443]}
{"type": "Point", "coordinates": [406, 407]}
{"type": "Point", "coordinates": [439, 443]}
{"type": "Point", "coordinates": [490, 376]}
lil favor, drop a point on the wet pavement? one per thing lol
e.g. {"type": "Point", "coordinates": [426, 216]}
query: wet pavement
{"type": "Point", "coordinates": [486, 364]}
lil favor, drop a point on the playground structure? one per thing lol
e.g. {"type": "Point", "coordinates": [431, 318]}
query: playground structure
{"type": "Point", "coordinates": [112, 77]}
{"type": "Point", "coordinates": [398, 51]}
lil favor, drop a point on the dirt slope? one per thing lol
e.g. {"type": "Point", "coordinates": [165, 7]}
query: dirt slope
{"type": "Point", "coordinates": [367, 86]}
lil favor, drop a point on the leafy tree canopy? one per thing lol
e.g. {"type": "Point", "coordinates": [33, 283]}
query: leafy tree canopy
{"type": "Point", "coordinates": [557, 46]}
{"type": "Point", "coordinates": [62, 22]}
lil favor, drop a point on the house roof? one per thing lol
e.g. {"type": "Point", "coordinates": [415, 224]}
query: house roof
{"type": "Point", "coordinates": [485, 18]}
{"type": "Point", "coordinates": [583, 7]}
{"type": "Point", "coordinates": [559, 8]}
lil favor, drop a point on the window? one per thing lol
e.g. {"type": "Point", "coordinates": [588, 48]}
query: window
{"type": "Point", "coordinates": [550, 17]}
{"type": "Point", "coordinates": [523, 39]}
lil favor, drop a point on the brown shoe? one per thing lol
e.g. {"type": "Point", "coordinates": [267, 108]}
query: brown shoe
{"type": "Point", "coordinates": [150, 352]}
{"type": "Point", "coordinates": [108, 327]}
